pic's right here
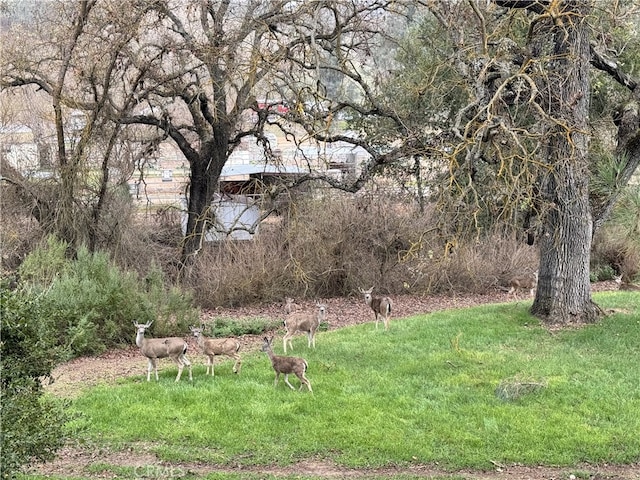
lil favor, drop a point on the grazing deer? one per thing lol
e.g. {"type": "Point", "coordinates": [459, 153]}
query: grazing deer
{"type": "Point", "coordinates": [155, 348]}
{"type": "Point", "coordinates": [381, 306]}
{"type": "Point", "coordinates": [304, 323]}
{"type": "Point", "coordinates": [217, 346]}
{"type": "Point", "coordinates": [526, 282]}
{"type": "Point", "coordinates": [287, 365]}
{"type": "Point", "coordinates": [626, 285]}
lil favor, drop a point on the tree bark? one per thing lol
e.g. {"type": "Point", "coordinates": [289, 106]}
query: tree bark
{"type": "Point", "coordinates": [562, 48]}
{"type": "Point", "coordinates": [205, 174]}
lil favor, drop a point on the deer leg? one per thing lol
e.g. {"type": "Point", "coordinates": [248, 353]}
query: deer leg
{"type": "Point", "coordinates": [304, 381]}
{"type": "Point", "coordinates": [275, 383]}
{"type": "Point", "coordinates": [186, 362]}
{"type": "Point", "coordinates": [180, 367]}
{"type": "Point", "coordinates": [287, 340]}
{"type": "Point", "coordinates": [238, 364]}
{"type": "Point", "coordinates": [286, 380]}
{"type": "Point", "coordinates": [151, 365]}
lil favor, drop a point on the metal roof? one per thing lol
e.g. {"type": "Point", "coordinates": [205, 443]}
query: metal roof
{"type": "Point", "coordinates": [251, 169]}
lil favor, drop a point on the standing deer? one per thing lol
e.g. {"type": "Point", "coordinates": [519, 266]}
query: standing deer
{"type": "Point", "coordinates": [217, 346]}
{"type": "Point", "coordinates": [526, 282]}
{"type": "Point", "coordinates": [287, 365]}
{"type": "Point", "coordinates": [381, 306]}
{"type": "Point", "coordinates": [304, 323]}
{"type": "Point", "coordinates": [155, 348]}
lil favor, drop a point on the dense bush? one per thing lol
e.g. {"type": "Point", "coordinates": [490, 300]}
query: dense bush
{"type": "Point", "coordinates": [235, 327]}
{"type": "Point", "coordinates": [32, 424]}
{"type": "Point", "coordinates": [614, 253]}
{"type": "Point", "coordinates": [91, 304]}
{"type": "Point", "coordinates": [331, 245]}
{"type": "Point", "coordinates": [45, 262]}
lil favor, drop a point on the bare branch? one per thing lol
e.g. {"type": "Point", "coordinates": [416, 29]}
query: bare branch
{"type": "Point", "coordinates": [607, 65]}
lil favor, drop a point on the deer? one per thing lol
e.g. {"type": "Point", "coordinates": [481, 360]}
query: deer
{"type": "Point", "coordinates": [381, 306]}
{"type": "Point", "coordinates": [304, 322]}
{"type": "Point", "coordinates": [217, 346]}
{"type": "Point", "coordinates": [289, 305]}
{"type": "Point", "coordinates": [286, 365]}
{"type": "Point", "coordinates": [626, 285]}
{"type": "Point", "coordinates": [525, 282]}
{"type": "Point", "coordinates": [155, 348]}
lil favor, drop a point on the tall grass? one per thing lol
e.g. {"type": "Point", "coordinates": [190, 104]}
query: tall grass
{"type": "Point", "coordinates": [425, 391]}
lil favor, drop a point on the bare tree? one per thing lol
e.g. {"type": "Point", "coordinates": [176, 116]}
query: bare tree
{"type": "Point", "coordinates": [214, 72]}
{"type": "Point", "coordinates": [206, 75]}
{"type": "Point", "coordinates": [60, 57]}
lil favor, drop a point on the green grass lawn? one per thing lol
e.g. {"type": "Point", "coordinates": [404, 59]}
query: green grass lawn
{"type": "Point", "coordinates": [463, 388]}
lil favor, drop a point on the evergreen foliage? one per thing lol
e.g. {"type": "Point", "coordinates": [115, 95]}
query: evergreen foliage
{"type": "Point", "coordinates": [32, 424]}
{"type": "Point", "coordinates": [229, 327]}
{"type": "Point", "coordinates": [90, 303]}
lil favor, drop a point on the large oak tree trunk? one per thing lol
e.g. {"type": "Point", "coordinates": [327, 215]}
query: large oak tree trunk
{"type": "Point", "coordinates": [561, 43]}
{"type": "Point", "coordinates": [205, 174]}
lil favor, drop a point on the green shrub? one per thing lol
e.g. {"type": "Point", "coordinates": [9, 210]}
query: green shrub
{"type": "Point", "coordinates": [32, 424]}
{"type": "Point", "coordinates": [174, 306]}
{"type": "Point", "coordinates": [230, 327]}
{"type": "Point", "coordinates": [601, 273]}
{"type": "Point", "coordinates": [91, 304]}
{"type": "Point", "coordinates": [46, 262]}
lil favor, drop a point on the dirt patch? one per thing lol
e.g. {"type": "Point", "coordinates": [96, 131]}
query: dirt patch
{"type": "Point", "coordinates": [101, 464]}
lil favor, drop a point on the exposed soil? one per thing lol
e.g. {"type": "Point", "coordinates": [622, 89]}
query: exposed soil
{"type": "Point", "coordinates": [78, 374]}
{"type": "Point", "coordinates": [80, 463]}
